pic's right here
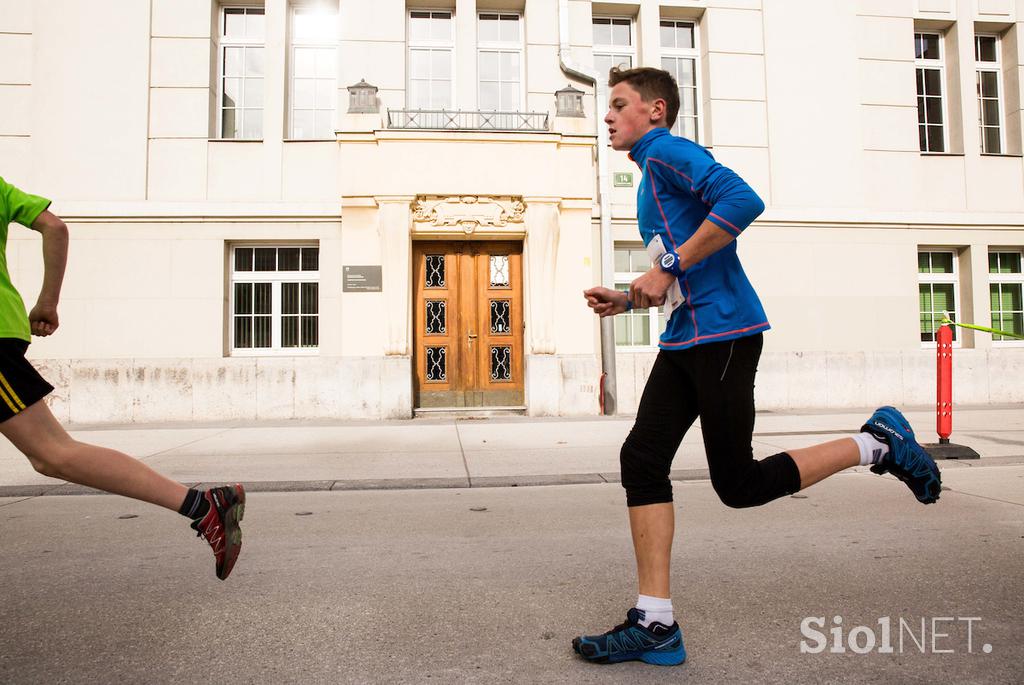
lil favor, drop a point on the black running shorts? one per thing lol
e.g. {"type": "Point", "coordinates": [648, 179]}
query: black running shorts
{"type": "Point", "coordinates": [21, 386]}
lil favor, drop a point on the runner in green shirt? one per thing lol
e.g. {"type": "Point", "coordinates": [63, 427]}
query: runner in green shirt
{"type": "Point", "coordinates": [27, 422]}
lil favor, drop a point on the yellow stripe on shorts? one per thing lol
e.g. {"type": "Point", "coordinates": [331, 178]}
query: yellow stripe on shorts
{"type": "Point", "coordinates": [8, 401]}
{"type": "Point", "coordinates": [13, 394]}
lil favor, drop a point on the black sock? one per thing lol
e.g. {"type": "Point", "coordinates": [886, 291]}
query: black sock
{"type": "Point", "coordinates": [195, 505]}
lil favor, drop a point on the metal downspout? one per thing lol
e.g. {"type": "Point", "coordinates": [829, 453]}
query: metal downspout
{"type": "Point", "coordinates": [604, 197]}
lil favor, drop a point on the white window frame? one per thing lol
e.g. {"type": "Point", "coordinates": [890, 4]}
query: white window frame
{"type": "Point", "coordinates": [276, 278]}
{"type": "Point", "coordinates": [500, 47]}
{"type": "Point", "coordinates": [448, 45]}
{"type": "Point", "coordinates": [302, 44]}
{"type": "Point", "coordinates": [687, 53]}
{"type": "Point", "coordinates": [1011, 279]}
{"type": "Point", "coordinates": [940, 65]}
{"type": "Point", "coordinates": [654, 313]}
{"type": "Point", "coordinates": [996, 68]}
{"type": "Point", "coordinates": [941, 279]}
{"type": "Point", "coordinates": [225, 42]}
{"type": "Point", "coordinates": [601, 50]}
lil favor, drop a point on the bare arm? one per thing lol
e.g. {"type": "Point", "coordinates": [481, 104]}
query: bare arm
{"type": "Point", "coordinates": [708, 240]}
{"type": "Point", "coordinates": [43, 317]}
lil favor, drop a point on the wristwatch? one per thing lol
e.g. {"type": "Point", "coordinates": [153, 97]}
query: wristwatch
{"type": "Point", "coordinates": [669, 262]}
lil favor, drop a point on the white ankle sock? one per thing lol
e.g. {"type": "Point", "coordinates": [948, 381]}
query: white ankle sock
{"type": "Point", "coordinates": [871, 448]}
{"type": "Point", "coordinates": [655, 609]}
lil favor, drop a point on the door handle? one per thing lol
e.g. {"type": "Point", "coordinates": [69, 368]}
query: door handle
{"type": "Point", "coordinates": [472, 335]}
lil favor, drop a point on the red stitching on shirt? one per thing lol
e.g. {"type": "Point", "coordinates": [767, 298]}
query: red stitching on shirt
{"type": "Point", "coordinates": [714, 335]}
{"type": "Point", "coordinates": [697, 193]}
{"type": "Point", "coordinates": [654, 189]}
{"type": "Point", "coordinates": [689, 301]}
{"type": "Point", "coordinates": [730, 224]}
{"type": "Point", "coordinates": [655, 159]}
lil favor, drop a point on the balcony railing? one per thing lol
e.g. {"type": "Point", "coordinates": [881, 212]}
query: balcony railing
{"type": "Point", "coordinates": [443, 120]}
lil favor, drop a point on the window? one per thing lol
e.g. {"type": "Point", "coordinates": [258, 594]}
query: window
{"type": "Point", "coordinates": [638, 327]}
{"type": "Point", "coordinates": [613, 44]}
{"type": "Point", "coordinates": [1005, 284]}
{"type": "Point", "coordinates": [679, 55]}
{"type": "Point", "coordinates": [500, 62]}
{"type": "Point", "coordinates": [431, 60]}
{"type": "Point", "coordinates": [931, 108]}
{"type": "Point", "coordinates": [314, 88]}
{"type": "Point", "coordinates": [241, 69]}
{"type": "Point", "coordinates": [275, 299]}
{"type": "Point", "coordinates": [990, 111]}
{"type": "Point", "coordinates": [936, 277]}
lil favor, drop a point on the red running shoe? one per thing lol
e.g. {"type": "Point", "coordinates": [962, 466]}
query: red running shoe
{"type": "Point", "coordinates": [220, 525]}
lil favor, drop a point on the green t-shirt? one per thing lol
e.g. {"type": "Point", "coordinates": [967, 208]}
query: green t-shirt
{"type": "Point", "coordinates": [20, 208]}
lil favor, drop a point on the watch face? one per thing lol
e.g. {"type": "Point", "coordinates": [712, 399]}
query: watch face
{"type": "Point", "coordinates": [668, 260]}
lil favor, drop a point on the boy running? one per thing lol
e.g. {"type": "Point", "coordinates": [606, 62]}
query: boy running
{"type": "Point", "coordinates": [27, 422]}
{"type": "Point", "coordinates": [706, 364]}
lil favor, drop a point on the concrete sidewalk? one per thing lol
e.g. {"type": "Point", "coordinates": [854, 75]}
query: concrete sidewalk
{"type": "Point", "coordinates": [464, 453]}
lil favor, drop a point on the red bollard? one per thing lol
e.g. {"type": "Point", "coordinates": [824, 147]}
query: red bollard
{"type": "Point", "coordinates": [944, 449]}
{"type": "Point", "coordinates": [944, 377]}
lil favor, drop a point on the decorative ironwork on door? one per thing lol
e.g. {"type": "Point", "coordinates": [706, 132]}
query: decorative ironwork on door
{"type": "Point", "coordinates": [468, 324]}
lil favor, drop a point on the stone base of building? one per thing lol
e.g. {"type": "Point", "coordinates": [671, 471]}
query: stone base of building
{"type": "Point", "coordinates": [563, 385]}
{"type": "Point", "coordinates": [832, 380]}
{"type": "Point", "coordinates": [231, 389]}
{"type": "Point", "coordinates": [374, 388]}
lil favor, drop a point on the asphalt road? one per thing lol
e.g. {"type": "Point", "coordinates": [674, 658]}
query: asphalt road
{"type": "Point", "coordinates": [491, 585]}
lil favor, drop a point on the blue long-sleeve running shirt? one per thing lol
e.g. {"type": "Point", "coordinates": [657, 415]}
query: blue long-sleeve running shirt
{"type": "Point", "coordinates": [682, 186]}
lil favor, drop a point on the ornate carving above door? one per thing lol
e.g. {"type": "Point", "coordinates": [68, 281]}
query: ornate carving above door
{"type": "Point", "coordinates": [468, 216]}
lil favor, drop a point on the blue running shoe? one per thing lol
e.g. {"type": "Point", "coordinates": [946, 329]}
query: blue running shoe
{"type": "Point", "coordinates": [659, 644]}
{"type": "Point", "coordinates": [906, 460]}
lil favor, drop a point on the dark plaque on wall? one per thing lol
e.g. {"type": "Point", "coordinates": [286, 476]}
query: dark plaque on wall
{"type": "Point", "coordinates": [360, 279]}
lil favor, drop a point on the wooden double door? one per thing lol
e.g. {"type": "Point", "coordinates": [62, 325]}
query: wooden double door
{"type": "Point", "coordinates": [468, 324]}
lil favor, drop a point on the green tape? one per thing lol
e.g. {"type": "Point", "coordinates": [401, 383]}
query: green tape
{"type": "Point", "coordinates": [982, 328]}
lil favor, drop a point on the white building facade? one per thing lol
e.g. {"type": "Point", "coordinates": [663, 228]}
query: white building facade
{"type": "Point", "coordinates": [347, 209]}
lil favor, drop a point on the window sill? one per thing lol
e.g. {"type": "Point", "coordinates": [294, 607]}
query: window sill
{"type": "Point", "coordinates": [1002, 154]}
{"type": "Point", "coordinates": [235, 140]}
{"type": "Point", "coordinates": [311, 140]}
{"type": "Point", "coordinates": [943, 154]}
{"type": "Point", "coordinates": [264, 352]}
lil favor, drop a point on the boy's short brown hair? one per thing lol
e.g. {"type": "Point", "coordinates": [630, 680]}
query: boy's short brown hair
{"type": "Point", "coordinates": [652, 84]}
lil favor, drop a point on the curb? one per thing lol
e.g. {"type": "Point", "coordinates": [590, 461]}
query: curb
{"type": "Point", "coordinates": [369, 484]}
{"type": "Point", "coordinates": [525, 481]}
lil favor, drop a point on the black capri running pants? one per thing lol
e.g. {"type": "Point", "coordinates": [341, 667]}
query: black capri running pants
{"type": "Point", "coordinates": [714, 381]}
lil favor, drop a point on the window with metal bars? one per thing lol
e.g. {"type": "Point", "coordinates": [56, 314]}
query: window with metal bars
{"type": "Point", "coordinates": [275, 299]}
